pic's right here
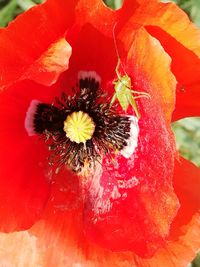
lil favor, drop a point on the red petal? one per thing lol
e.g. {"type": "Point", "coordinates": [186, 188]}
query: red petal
{"type": "Point", "coordinates": [181, 40]}
{"type": "Point", "coordinates": [133, 216]}
{"type": "Point", "coordinates": [187, 184]}
{"type": "Point", "coordinates": [28, 41]}
{"type": "Point", "coordinates": [48, 67]}
{"type": "Point", "coordinates": [148, 63]}
{"type": "Point", "coordinates": [97, 13]}
{"type": "Point", "coordinates": [171, 19]}
{"type": "Point", "coordinates": [102, 17]}
{"type": "Point", "coordinates": [24, 170]}
{"type": "Point", "coordinates": [88, 56]}
{"type": "Point", "coordinates": [178, 253]}
{"type": "Point", "coordinates": [184, 239]}
{"type": "Point", "coordinates": [186, 67]}
{"type": "Point", "coordinates": [58, 239]}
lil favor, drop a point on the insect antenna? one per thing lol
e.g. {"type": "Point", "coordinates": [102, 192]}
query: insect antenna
{"type": "Point", "coordinates": [117, 52]}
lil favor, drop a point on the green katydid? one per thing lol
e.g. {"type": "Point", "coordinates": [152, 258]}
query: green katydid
{"type": "Point", "coordinates": [123, 88]}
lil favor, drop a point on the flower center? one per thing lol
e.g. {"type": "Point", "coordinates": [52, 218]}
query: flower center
{"type": "Point", "coordinates": [80, 130]}
{"type": "Point", "coordinates": [79, 127]}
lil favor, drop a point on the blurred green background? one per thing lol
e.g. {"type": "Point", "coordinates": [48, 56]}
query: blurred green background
{"type": "Point", "coordinates": [187, 131]}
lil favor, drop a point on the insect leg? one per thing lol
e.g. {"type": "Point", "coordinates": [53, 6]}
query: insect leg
{"type": "Point", "coordinates": [113, 99]}
{"type": "Point", "coordinates": [140, 96]}
{"type": "Point", "coordinates": [134, 105]}
{"type": "Point", "coordinates": [144, 94]}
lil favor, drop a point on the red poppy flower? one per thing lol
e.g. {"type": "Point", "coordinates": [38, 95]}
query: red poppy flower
{"type": "Point", "coordinates": [111, 191]}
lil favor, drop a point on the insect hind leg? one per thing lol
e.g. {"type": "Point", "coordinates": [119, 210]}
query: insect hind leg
{"type": "Point", "coordinates": [142, 94]}
{"type": "Point", "coordinates": [113, 99]}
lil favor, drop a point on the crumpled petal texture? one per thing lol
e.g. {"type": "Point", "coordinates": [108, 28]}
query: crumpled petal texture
{"type": "Point", "coordinates": [24, 182]}
{"type": "Point", "coordinates": [121, 199]}
{"type": "Point", "coordinates": [51, 64]}
{"type": "Point", "coordinates": [59, 241]}
{"type": "Point", "coordinates": [179, 37]}
{"type": "Point", "coordinates": [21, 51]}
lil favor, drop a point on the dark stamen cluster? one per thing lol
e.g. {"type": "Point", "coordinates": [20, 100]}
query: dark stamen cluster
{"type": "Point", "coordinates": [111, 130]}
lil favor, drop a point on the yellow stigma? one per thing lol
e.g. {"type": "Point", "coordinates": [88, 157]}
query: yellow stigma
{"type": "Point", "coordinates": [79, 127]}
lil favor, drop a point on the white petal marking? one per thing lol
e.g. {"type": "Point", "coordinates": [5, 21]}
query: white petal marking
{"type": "Point", "coordinates": [89, 74]}
{"type": "Point", "coordinates": [132, 142]}
{"type": "Point", "coordinates": [29, 119]}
